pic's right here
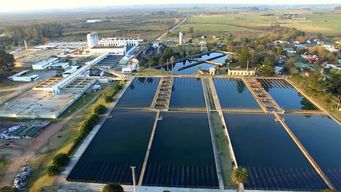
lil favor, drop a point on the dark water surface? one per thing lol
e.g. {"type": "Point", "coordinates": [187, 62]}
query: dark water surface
{"type": "Point", "coordinates": [182, 154]}
{"type": "Point", "coordinates": [181, 67]}
{"type": "Point", "coordinates": [120, 143]}
{"type": "Point", "coordinates": [321, 136]}
{"type": "Point", "coordinates": [233, 93]}
{"type": "Point", "coordinates": [271, 157]}
{"type": "Point", "coordinates": [187, 92]}
{"type": "Point", "coordinates": [286, 96]}
{"type": "Point", "coordinates": [140, 93]}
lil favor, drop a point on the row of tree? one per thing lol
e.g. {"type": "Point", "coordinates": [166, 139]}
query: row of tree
{"type": "Point", "coordinates": [6, 61]}
{"type": "Point", "coordinates": [32, 34]}
{"type": "Point", "coordinates": [169, 54]}
{"type": "Point", "coordinates": [316, 83]}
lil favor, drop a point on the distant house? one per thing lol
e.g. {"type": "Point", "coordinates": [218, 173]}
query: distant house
{"type": "Point", "coordinates": [330, 48]}
{"type": "Point", "coordinates": [280, 42]}
{"type": "Point", "coordinates": [300, 46]}
{"type": "Point", "coordinates": [333, 66]}
{"type": "Point", "coordinates": [290, 50]}
{"type": "Point", "coordinates": [338, 42]}
{"type": "Point", "coordinates": [278, 70]}
{"type": "Point", "coordinates": [310, 58]}
{"type": "Point", "coordinates": [93, 20]}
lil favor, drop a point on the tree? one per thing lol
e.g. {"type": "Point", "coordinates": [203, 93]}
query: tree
{"type": "Point", "coordinates": [100, 109]}
{"type": "Point", "coordinates": [8, 189]}
{"type": "Point", "coordinates": [6, 61]}
{"type": "Point", "coordinates": [190, 30]}
{"type": "Point", "coordinates": [335, 85]}
{"type": "Point", "coordinates": [52, 170]}
{"type": "Point", "coordinates": [172, 59]}
{"type": "Point", "coordinates": [108, 98]}
{"type": "Point", "coordinates": [61, 159]}
{"type": "Point", "coordinates": [244, 56]}
{"type": "Point", "coordinates": [113, 188]}
{"type": "Point", "coordinates": [266, 67]}
{"type": "Point", "coordinates": [315, 83]}
{"type": "Point", "coordinates": [240, 176]}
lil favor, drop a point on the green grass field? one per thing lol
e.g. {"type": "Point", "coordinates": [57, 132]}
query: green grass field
{"type": "Point", "coordinates": [204, 27]}
{"type": "Point", "coordinates": [325, 22]}
{"type": "Point", "coordinates": [222, 145]}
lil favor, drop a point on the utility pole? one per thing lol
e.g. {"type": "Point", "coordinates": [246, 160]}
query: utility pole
{"type": "Point", "coordinates": [133, 175]}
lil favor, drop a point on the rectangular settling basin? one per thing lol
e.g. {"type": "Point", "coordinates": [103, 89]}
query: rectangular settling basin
{"type": "Point", "coordinates": [273, 160]}
{"type": "Point", "coordinates": [182, 153]}
{"type": "Point", "coordinates": [120, 143]}
{"type": "Point", "coordinates": [286, 96]}
{"type": "Point", "coordinates": [233, 93]}
{"type": "Point", "coordinates": [139, 94]}
{"type": "Point", "coordinates": [321, 136]}
{"type": "Point", "coordinates": [194, 64]}
{"type": "Point", "coordinates": [187, 93]}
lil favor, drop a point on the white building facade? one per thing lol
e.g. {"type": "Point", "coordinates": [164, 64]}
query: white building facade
{"type": "Point", "coordinates": [115, 42]}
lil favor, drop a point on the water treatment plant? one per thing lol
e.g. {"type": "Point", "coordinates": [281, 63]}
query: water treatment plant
{"type": "Point", "coordinates": [174, 98]}
{"type": "Point", "coordinates": [177, 146]}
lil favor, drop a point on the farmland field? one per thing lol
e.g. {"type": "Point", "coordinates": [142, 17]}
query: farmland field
{"type": "Point", "coordinates": [324, 21]}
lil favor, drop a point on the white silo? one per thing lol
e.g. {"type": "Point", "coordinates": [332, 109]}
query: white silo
{"type": "Point", "coordinates": [92, 39]}
{"type": "Point", "coordinates": [181, 38]}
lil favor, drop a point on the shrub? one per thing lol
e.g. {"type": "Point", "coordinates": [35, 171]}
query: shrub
{"type": "Point", "coordinates": [240, 175]}
{"type": "Point", "coordinates": [61, 159]}
{"type": "Point", "coordinates": [52, 170]}
{"type": "Point", "coordinates": [7, 189]}
{"type": "Point", "coordinates": [108, 99]}
{"type": "Point", "coordinates": [100, 109]}
{"type": "Point", "coordinates": [113, 188]}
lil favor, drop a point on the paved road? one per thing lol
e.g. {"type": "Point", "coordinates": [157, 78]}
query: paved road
{"type": "Point", "coordinates": [18, 88]}
{"type": "Point", "coordinates": [174, 27]}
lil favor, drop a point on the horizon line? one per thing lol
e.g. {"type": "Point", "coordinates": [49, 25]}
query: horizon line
{"type": "Point", "coordinates": [138, 5]}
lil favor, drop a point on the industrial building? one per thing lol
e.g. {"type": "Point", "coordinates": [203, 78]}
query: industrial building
{"type": "Point", "coordinates": [109, 42]}
{"type": "Point", "coordinates": [24, 76]}
{"type": "Point", "coordinates": [241, 72]}
{"type": "Point", "coordinates": [44, 64]}
{"type": "Point", "coordinates": [113, 46]}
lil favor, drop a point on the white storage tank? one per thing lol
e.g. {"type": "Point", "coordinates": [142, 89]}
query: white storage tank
{"type": "Point", "coordinates": [92, 39]}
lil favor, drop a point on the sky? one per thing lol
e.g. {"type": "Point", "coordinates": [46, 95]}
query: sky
{"type": "Point", "coordinates": [29, 5]}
